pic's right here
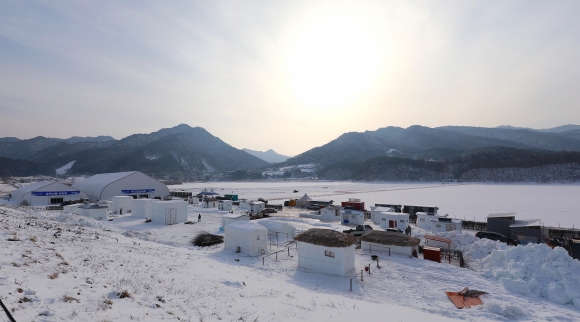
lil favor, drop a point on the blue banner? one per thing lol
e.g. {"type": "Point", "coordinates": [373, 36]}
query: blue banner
{"type": "Point", "coordinates": [138, 191]}
{"type": "Point", "coordinates": [55, 193]}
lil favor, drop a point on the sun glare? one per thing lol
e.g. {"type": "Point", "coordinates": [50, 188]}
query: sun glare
{"type": "Point", "coordinates": [332, 62]}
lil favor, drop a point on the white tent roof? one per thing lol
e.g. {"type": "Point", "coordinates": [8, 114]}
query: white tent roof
{"type": "Point", "coordinates": [93, 186]}
{"type": "Point", "coordinates": [19, 193]}
{"type": "Point", "coordinates": [305, 198]}
{"type": "Point", "coordinates": [246, 226]}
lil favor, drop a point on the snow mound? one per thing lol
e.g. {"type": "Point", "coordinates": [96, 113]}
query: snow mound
{"type": "Point", "coordinates": [80, 221]}
{"type": "Point", "coordinates": [537, 269]}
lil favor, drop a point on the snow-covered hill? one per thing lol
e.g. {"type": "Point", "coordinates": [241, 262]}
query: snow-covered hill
{"type": "Point", "coordinates": [66, 267]}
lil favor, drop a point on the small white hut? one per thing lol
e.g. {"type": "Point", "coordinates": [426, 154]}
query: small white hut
{"type": "Point", "coordinates": [121, 203]}
{"type": "Point", "coordinates": [376, 213]}
{"type": "Point", "coordinates": [388, 241]}
{"type": "Point", "coordinates": [232, 218]}
{"type": "Point", "coordinates": [352, 217]}
{"type": "Point", "coordinates": [169, 212]}
{"type": "Point", "coordinates": [424, 219]}
{"type": "Point", "coordinates": [245, 204]}
{"type": "Point", "coordinates": [394, 220]}
{"type": "Point", "coordinates": [330, 213]}
{"type": "Point", "coordinates": [246, 237]}
{"type": "Point", "coordinates": [93, 211]}
{"type": "Point", "coordinates": [193, 200]}
{"type": "Point", "coordinates": [326, 251]}
{"type": "Point", "coordinates": [256, 206]}
{"type": "Point", "coordinates": [442, 224]}
{"type": "Point", "coordinates": [142, 208]}
{"type": "Point", "coordinates": [225, 205]}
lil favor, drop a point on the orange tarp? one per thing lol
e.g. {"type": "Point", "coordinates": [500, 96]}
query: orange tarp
{"type": "Point", "coordinates": [461, 301]}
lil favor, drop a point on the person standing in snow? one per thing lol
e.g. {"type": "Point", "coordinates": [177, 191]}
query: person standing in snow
{"type": "Point", "coordinates": [199, 218]}
{"type": "Point", "coordinates": [121, 211]}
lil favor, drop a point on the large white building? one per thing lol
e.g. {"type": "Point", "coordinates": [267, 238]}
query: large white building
{"type": "Point", "coordinates": [133, 183]}
{"type": "Point", "coordinates": [326, 251]}
{"type": "Point", "coordinates": [45, 193]}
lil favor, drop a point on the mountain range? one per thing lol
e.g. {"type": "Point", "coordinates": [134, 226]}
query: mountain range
{"type": "Point", "coordinates": [389, 153]}
{"type": "Point", "coordinates": [268, 156]}
{"type": "Point", "coordinates": [178, 151]}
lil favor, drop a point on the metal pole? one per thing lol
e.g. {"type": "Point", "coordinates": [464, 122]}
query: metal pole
{"type": "Point", "coordinates": [351, 284]}
{"type": "Point", "coordinates": [361, 275]}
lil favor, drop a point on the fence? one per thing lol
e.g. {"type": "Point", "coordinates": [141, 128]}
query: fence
{"type": "Point", "coordinates": [276, 254]}
{"type": "Point", "coordinates": [54, 207]}
{"type": "Point", "coordinates": [475, 225]}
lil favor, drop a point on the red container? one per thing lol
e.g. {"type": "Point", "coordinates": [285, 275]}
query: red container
{"type": "Point", "coordinates": [432, 253]}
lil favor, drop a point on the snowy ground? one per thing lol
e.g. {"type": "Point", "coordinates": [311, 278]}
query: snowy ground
{"type": "Point", "coordinates": [67, 267]}
{"type": "Point", "coordinates": [555, 204]}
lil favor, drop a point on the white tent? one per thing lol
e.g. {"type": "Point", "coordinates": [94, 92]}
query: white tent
{"type": "Point", "coordinates": [142, 208]}
{"type": "Point", "coordinates": [132, 183]}
{"type": "Point", "coordinates": [327, 251]}
{"type": "Point", "coordinates": [169, 212]}
{"type": "Point", "coordinates": [93, 211]}
{"type": "Point", "coordinates": [124, 203]}
{"type": "Point", "coordinates": [232, 218]}
{"type": "Point", "coordinates": [303, 201]}
{"type": "Point", "coordinates": [277, 226]}
{"type": "Point", "coordinates": [225, 205]}
{"type": "Point", "coordinates": [246, 237]}
{"type": "Point", "coordinates": [45, 193]}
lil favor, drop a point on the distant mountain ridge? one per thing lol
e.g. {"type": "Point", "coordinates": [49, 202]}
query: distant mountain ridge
{"type": "Point", "coordinates": [178, 151]}
{"type": "Point", "coordinates": [268, 156]}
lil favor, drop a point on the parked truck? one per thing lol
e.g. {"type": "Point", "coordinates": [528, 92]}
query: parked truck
{"type": "Point", "coordinates": [359, 230]}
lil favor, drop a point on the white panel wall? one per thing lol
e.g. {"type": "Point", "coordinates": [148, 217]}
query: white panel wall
{"type": "Point", "coordinates": [375, 248]}
{"type": "Point", "coordinates": [254, 243]}
{"type": "Point", "coordinates": [121, 202]}
{"type": "Point", "coordinates": [313, 257]}
{"type": "Point", "coordinates": [142, 208]}
{"type": "Point", "coordinates": [158, 211]}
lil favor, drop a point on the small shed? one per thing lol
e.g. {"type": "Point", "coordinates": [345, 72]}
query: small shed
{"type": "Point", "coordinates": [193, 200]}
{"type": "Point", "coordinates": [231, 197]}
{"type": "Point", "coordinates": [326, 251]}
{"type": "Point", "coordinates": [330, 213]}
{"type": "Point", "coordinates": [256, 206]}
{"type": "Point", "coordinates": [442, 224]}
{"type": "Point", "coordinates": [527, 231]}
{"type": "Point", "coordinates": [352, 217]}
{"type": "Point", "coordinates": [246, 237]}
{"type": "Point", "coordinates": [303, 201]}
{"type": "Point", "coordinates": [225, 205]}
{"type": "Point", "coordinates": [424, 219]}
{"type": "Point", "coordinates": [396, 220]}
{"type": "Point", "coordinates": [209, 202]}
{"type": "Point", "coordinates": [124, 203]}
{"type": "Point", "coordinates": [142, 208]}
{"type": "Point", "coordinates": [500, 223]}
{"type": "Point", "coordinates": [388, 241]}
{"type": "Point", "coordinates": [169, 212]}
{"type": "Point", "coordinates": [232, 218]}
{"type": "Point", "coordinates": [355, 203]}
{"type": "Point", "coordinates": [94, 211]}
{"type": "Point", "coordinates": [245, 204]}
{"type": "Point", "coordinates": [377, 211]}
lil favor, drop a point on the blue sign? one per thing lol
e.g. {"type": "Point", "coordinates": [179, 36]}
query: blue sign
{"type": "Point", "coordinates": [138, 191]}
{"type": "Point", "coordinates": [55, 193]}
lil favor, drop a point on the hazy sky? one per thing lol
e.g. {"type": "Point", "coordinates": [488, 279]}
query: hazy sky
{"type": "Point", "coordinates": [287, 75]}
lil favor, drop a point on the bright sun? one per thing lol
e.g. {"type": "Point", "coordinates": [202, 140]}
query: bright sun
{"type": "Point", "coordinates": [332, 62]}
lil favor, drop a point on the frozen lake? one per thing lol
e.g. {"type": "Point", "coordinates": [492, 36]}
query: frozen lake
{"type": "Point", "coordinates": [554, 204]}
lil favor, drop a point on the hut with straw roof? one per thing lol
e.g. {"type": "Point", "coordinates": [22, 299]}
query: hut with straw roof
{"type": "Point", "coordinates": [397, 243]}
{"type": "Point", "coordinates": [326, 251]}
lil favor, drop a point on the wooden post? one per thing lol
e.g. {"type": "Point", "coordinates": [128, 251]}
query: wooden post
{"type": "Point", "coordinates": [361, 275]}
{"type": "Point", "coordinates": [263, 261]}
{"type": "Point", "coordinates": [351, 284]}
